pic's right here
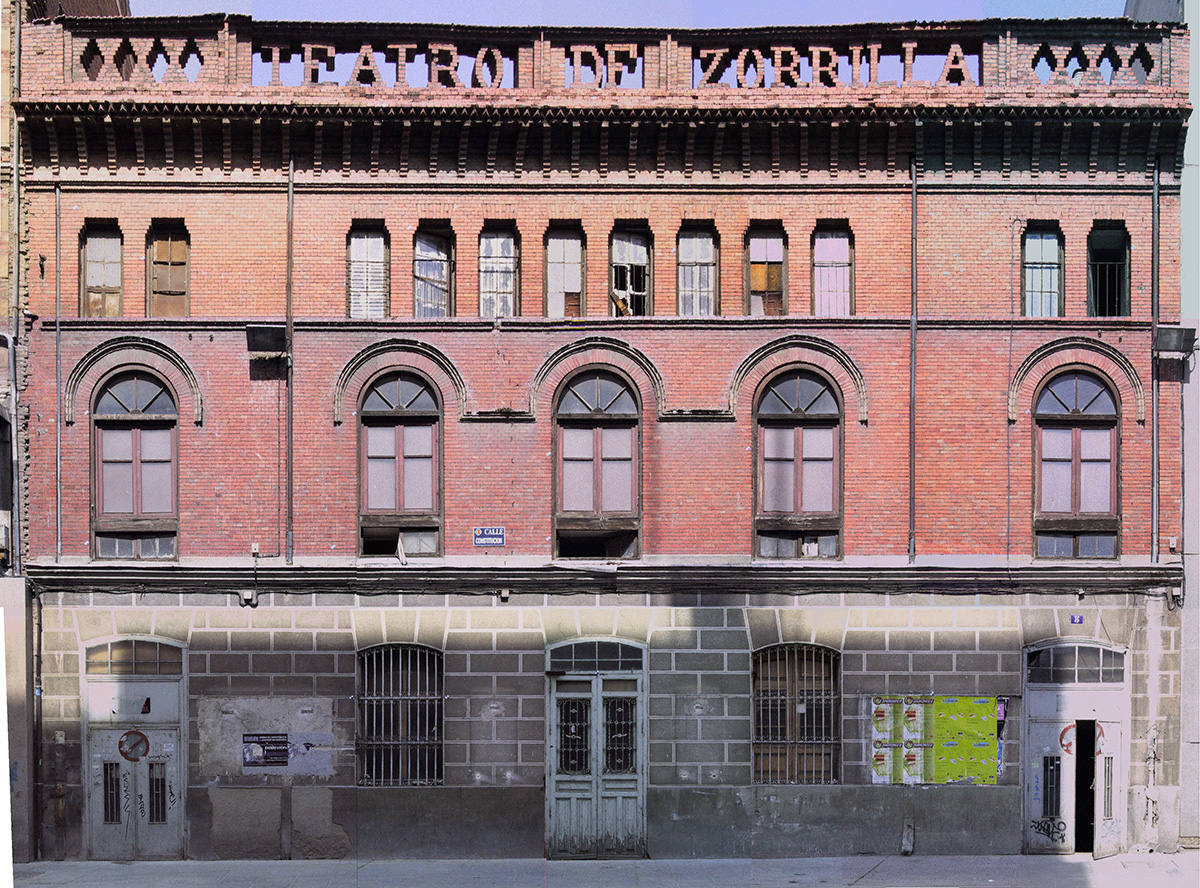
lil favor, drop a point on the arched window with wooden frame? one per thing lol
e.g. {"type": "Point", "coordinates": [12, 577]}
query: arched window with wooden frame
{"type": "Point", "coordinates": [135, 509]}
{"type": "Point", "coordinates": [598, 490]}
{"type": "Point", "coordinates": [400, 467]}
{"type": "Point", "coordinates": [798, 483]}
{"type": "Point", "coordinates": [796, 690]}
{"type": "Point", "coordinates": [1076, 512]}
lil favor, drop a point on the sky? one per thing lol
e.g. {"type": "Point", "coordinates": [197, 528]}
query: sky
{"type": "Point", "coordinates": [635, 13]}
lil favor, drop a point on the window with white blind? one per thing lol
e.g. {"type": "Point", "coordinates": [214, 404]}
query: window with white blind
{"type": "Point", "coordinates": [833, 274]}
{"type": "Point", "coordinates": [100, 272]}
{"type": "Point", "coordinates": [497, 274]}
{"type": "Point", "coordinates": [697, 272]}
{"type": "Point", "coordinates": [367, 277]}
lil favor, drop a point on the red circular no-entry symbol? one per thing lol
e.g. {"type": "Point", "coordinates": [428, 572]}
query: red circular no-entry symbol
{"type": "Point", "coordinates": [133, 745]}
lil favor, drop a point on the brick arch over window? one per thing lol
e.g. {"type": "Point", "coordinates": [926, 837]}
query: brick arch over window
{"type": "Point", "coordinates": [773, 356]}
{"type": "Point", "coordinates": [391, 354]}
{"type": "Point", "coordinates": [596, 351]}
{"type": "Point", "coordinates": [1081, 351]}
{"type": "Point", "coordinates": [134, 351]}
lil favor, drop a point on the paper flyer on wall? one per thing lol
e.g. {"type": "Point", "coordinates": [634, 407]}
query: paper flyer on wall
{"type": "Point", "coordinates": [924, 739]}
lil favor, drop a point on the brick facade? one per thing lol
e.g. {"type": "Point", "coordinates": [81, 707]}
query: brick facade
{"type": "Point", "coordinates": [274, 614]}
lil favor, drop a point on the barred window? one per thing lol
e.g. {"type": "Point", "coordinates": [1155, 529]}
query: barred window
{"type": "Point", "coordinates": [399, 731]}
{"type": "Point", "coordinates": [797, 714]}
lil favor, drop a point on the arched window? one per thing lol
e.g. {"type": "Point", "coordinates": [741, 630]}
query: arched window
{"type": "Point", "coordinates": [400, 469]}
{"type": "Point", "coordinates": [398, 737]}
{"type": "Point", "coordinates": [1075, 501]}
{"type": "Point", "coordinates": [799, 468]}
{"type": "Point", "coordinates": [134, 657]}
{"type": "Point", "coordinates": [797, 714]}
{"type": "Point", "coordinates": [135, 512]}
{"type": "Point", "coordinates": [598, 512]}
{"type": "Point", "coordinates": [1075, 664]}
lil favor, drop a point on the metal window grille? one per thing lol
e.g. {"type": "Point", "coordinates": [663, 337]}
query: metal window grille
{"type": "Point", "coordinates": [1051, 785]}
{"type": "Point", "coordinates": [1107, 284]}
{"type": "Point", "coordinates": [1108, 787]}
{"type": "Point", "coordinates": [620, 738]}
{"type": "Point", "coordinates": [158, 792]}
{"type": "Point", "coordinates": [399, 716]}
{"type": "Point", "coordinates": [797, 714]}
{"type": "Point", "coordinates": [574, 731]}
{"type": "Point", "coordinates": [112, 792]}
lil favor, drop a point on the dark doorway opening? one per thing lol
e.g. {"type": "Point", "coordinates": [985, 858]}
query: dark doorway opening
{"type": "Point", "coordinates": [1085, 785]}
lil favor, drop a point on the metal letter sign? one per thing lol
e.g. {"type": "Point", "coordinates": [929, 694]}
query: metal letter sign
{"type": "Point", "coordinates": [1076, 619]}
{"type": "Point", "coordinates": [487, 536]}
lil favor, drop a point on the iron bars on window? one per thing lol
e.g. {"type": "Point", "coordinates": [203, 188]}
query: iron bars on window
{"type": "Point", "coordinates": [797, 714]}
{"type": "Point", "coordinates": [399, 740]}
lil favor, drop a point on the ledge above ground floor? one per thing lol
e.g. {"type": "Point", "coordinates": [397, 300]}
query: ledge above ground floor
{"type": "Point", "coordinates": [250, 582]}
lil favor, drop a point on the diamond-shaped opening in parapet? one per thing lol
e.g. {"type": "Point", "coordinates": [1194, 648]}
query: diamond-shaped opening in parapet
{"type": "Point", "coordinates": [91, 59]}
{"type": "Point", "coordinates": [125, 59]}
{"type": "Point", "coordinates": [1141, 63]}
{"type": "Point", "coordinates": [1109, 63]}
{"type": "Point", "coordinates": [191, 60]}
{"type": "Point", "coordinates": [1044, 63]}
{"type": "Point", "coordinates": [1077, 62]}
{"type": "Point", "coordinates": [157, 60]}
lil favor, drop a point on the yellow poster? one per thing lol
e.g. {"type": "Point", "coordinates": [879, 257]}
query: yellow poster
{"type": "Point", "coordinates": [924, 739]}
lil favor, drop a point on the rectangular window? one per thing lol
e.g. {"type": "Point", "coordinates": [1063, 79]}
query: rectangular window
{"type": "Point", "coordinates": [168, 278]}
{"type": "Point", "coordinates": [564, 275]}
{"type": "Point", "coordinates": [1051, 785]}
{"type": "Point", "coordinates": [112, 792]}
{"type": "Point", "coordinates": [1108, 272]}
{"type": "Point", "coordinates": [101, 274]}
{"type": "Point", "coordinates": [833, 275]}
{"type": "Point", "coordinates": [630, 274]}
{"type": "Point", "coordinates": [697, 273]}
{"type": "Point", "coordinates": [1108, 788]}
{"type": "Point", "coordinates": [157, 779]}
{"type": "Point", "coordinates": [497, 275]}
{"type": "Point", "coordinates": [1041, 277]}
{"type": "Point", "coordinates": [766, 274]}
{"type": "Point", "coordinates": [432, 276]}
{"type": "Point", "coordinates": [367, 277]}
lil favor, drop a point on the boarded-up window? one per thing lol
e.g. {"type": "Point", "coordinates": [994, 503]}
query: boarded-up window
{"type": "Point", "coordinates": [100, 273]}
{"type": "Point", "coordinates": [766, 262]}
{"type": "Point", "coordinates": [564, 275]}
{"type": "Point", "coordinates": [797, 714]}
{"type": "Point", "coordinates": [367, 275]}
{"type": "Point", "coordinates": [168, 276]}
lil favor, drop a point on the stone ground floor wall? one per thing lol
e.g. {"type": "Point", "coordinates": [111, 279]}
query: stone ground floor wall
{"type": "Point", "coordinates": [289, 664]}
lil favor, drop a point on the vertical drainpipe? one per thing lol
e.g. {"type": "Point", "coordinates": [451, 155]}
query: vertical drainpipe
{"type": "Point", "coordinates": [14, 306]}
{"type": "Point", "coordinates": [912, 375]}
{"type": "Point", "coordinates": [1154, 268]}
{"type": "Point", "coordinates": [290, 374]}
{"type": "Point", "coordinates": [58, 372]}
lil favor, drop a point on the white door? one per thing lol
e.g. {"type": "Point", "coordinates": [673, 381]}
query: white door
{"type": "Point", "coordinates": [134, 793]}
{"type": "Point", "coordinates": [1050, 786]}
{"type": "Point", "coordinates": [597, 767]}
{"type": "Point", "coordinates": [1110, 791]}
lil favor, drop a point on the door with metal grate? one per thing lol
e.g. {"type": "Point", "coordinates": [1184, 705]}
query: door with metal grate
{"type": "Point", "coordinates": [1050, 786]}
{"type": "Point", "coordinates": [596, 766]}
{"type": "Point", "coordinates": [134, 794]}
